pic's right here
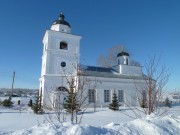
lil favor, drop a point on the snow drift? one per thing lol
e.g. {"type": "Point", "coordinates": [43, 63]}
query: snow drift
{"type": "Point", "coordinates": [152, 125]}
{"type": "Point", "coordinates": [157, 125]}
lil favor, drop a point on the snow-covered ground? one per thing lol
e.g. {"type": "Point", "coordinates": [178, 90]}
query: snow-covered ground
{"type": "Point", "coordinates": [20, 120]}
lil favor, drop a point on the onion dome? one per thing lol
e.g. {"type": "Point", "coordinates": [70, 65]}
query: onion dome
{"type": "Point", "coordinates": [61, 20]}
{"type": "Point", "coordinates": [123, 54]}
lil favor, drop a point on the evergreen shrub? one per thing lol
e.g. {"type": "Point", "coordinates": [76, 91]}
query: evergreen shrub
{"type": "Point", "coordinates": [115, 104]}
{"type": "Point", "coordinates": [7, 103]}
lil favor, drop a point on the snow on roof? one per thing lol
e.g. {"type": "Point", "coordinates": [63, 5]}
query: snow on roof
{"type": "Point", "coordinates": [98, 69]}
{"type": "Point", "coordinates": [105, 72]}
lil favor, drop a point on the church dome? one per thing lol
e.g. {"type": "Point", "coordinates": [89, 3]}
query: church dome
{"type": "Point", "coordinates": [61, 20]}
{"type": "Point", "coordinates": [123, 54]}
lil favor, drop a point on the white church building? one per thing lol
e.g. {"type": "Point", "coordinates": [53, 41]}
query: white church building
{"type": "Point", "coordinates": [61, 51]}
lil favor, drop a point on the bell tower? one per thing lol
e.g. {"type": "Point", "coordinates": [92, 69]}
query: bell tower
{"type": "Point", "coordinates": [61, 52]}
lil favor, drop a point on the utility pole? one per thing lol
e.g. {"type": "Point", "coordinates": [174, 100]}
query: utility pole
{"type": "Point", "coordinates": [14, 74]}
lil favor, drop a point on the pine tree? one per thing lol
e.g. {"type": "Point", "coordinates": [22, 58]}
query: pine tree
{"type": "Point", "coordinates": [36, 107]}
{"type": "Point", "coordinates": [71, 103]}
{"type": "Point", "coordinates": [115, 104]}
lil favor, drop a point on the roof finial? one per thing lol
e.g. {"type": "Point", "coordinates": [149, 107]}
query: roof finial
{"type": "Point", "coordinates": [61, 20]}
{"type": "Point", "coordinates": [62, 16]}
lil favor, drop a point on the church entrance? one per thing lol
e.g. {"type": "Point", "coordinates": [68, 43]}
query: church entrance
{"type": "Point", "coordinates": [59, 97]}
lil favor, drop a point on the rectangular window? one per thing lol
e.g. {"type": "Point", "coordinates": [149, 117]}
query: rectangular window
{"type": "Point", "coordinates": [91, 95]}
{"type": "Point", "coordinates": [106, 96]}
{"type": "Point", "coordinates": [121, 95]}
{"type": "Point", "coordinates": [144, 95]}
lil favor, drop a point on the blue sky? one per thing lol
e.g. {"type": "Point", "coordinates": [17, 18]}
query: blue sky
{"type": "Point", "coordinates": [145, 28]}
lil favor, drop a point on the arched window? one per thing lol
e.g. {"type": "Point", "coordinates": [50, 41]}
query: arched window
{"type": "Point", "coordinates": [63, 45]}
{"type": "Point", "coordinates": [62, 89]}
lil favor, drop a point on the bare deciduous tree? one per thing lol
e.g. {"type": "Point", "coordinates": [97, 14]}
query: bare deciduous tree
{"type": "Point", "coordinates": [151, 94]}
